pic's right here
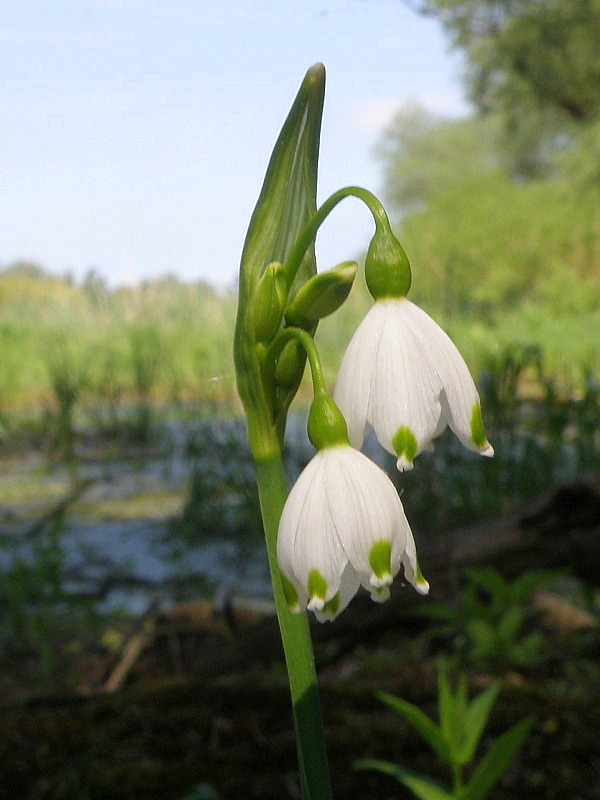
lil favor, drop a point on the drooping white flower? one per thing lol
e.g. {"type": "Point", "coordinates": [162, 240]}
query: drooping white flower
{"type": "Point", "coordinates": [343, 525]}
{"type": "Point", "coordinates": [403, 375]}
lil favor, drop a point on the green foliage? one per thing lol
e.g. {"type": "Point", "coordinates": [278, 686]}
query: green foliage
{"type": "Point", "coordinates": [455, 740]}
{"type": "Point", "coordinates": [485, 245]}
{"type": "Point", "coordinates": [489, 623]}
{"type": "Point", "coordinates": [43, 624]}
{"type": "Point", "coordinates": [111, 355]}
{"type": "Point", "coordinates": [424, 155]}
{"type": "Point", "coordinates": [499, 262]}
{"type": "Point", "coordinates": [536, 61]}
{"type": "Point", "coordinates": [542, 49]}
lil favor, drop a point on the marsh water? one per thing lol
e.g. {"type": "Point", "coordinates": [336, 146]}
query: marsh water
{"type": "Point", "coordinates": [114, 536]}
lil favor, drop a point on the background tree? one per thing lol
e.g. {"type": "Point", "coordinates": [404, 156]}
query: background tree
{"type": "Point", "coordinates": [536, 61]}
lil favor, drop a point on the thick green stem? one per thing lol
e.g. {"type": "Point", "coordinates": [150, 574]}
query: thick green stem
{"type": "Point", "coordinates": [297, 645]}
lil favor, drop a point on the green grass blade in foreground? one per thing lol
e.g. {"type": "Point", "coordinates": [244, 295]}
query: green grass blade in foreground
{"type": "Point", "coordinates": [475, 719]}
{"type": "Point", "coordinates": [425, 726]}
{"type": "Point", "coordinates": [424, 788]}
{"type": "Point", "coordinates": [492, 766]}
{"type": "Point", "coordinates": [451, 706]}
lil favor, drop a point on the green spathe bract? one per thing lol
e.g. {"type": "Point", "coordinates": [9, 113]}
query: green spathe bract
{"type": "Point", "coordinates": [286, 203]}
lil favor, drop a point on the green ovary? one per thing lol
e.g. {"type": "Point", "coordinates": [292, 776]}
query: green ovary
{"type": "Point", "coordinates": [405, 443]}
{"type": "Point", "coordinates": [477, 433]}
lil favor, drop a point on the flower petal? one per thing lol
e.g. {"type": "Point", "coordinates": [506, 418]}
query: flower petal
{"type": "Point", "coordinates": [357, 373]}
{"type": "Point", "coordinates": [308, 548]}
{"type": "Point", "coordinates": [412, 571]}
{"type": "Point", "coordinates": [349, 584]}
{"type": "Point", "coordinates": [406, 390]}
{"type": "Point", "coordinates": [368, 511]}
{"type": "Point", "coordinates": [459, 398]}
{"type": "Point", "coordinates": [342, 525]}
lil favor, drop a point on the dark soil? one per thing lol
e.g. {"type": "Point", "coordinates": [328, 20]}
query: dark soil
{"type": "Point", "coordinates": [236, 734]}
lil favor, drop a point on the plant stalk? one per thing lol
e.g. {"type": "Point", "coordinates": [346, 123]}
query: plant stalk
{"type": "Point", "coordinates": [297, 645]}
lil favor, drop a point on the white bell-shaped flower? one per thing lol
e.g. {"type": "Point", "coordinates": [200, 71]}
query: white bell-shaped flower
{"type": "Point", "coordinates": [343, 525]}
{"type": "Point", "coordinates": [403, 375]}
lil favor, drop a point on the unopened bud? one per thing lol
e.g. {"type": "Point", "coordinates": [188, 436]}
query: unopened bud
{"type": "Point", "coordinates": [268, 302]}
{"type": "Point", "coordinates": [321, 295]}
{"type": "Point", "coordinates": [290, 365]}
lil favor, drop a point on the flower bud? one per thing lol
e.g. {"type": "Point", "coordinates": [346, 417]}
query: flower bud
{"type": "Point", "coordinates": [290, 365]}
{"type": "Point", "coordinates": [387, 269]}
{"type": "Point", "coordinates": [268, 302]}
{"type": "Point", "coordinates": [321, 295]}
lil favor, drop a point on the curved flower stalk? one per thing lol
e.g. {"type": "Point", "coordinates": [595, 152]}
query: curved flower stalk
{"type": "Point", "coordinates": [402, 374]}
{"type": "Point", "coordinates": [343, 525]}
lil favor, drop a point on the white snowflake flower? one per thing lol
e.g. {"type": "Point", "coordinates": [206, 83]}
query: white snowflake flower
{"type": "Point", "coordinates": [343, 525]}
{"type": "Point", "coordinates": [403, 375]}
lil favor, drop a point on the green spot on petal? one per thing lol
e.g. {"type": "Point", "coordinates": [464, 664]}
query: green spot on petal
{"type": "Point", "coordinates": [291, 595]}
{"type": "Point", "coordinates": [405, 443]}
{"type": "Point", "coordinates": [421, 585]}
{"type": "Point", "coordinates": [316, 584]}
{"type": "Point", "coordinates": [331, 606]}
{"type": "Point", "coordinates": [380, 558]}
{"type": "Point", "coordinates": [477, 432]}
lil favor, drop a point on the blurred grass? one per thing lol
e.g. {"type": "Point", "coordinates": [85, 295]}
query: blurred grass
{"type": "Point", "coordinates": [120, 360]}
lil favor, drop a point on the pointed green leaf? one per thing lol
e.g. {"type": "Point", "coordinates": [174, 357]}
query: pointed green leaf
{"type": "Point", "coordinates": [496, 760]}
{"type": "Point", "coordinates": [447, 710]}
{"type": "Point", "coordinates": [475, 720]}
{"type": "Point", "coordinates": [421, 787]}
{"type": "Point", "coordinates": [489, 579]}
{"type": "Point", "coordinates": [483, 638]}
{"type": "Point", "coordinates": [527, 651]}
{"type": "Point", "coordinates": [510, 624]}
{"type": "Point", "coordinates": [461, 699]}
{"type": "Point", "coordinates": [425, 726]}
{"type": "Point", "coordinates": [523, 586]}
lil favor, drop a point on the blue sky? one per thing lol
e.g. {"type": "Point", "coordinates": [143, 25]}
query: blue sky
{"type": "Point", "coordinates": [134, 134]}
